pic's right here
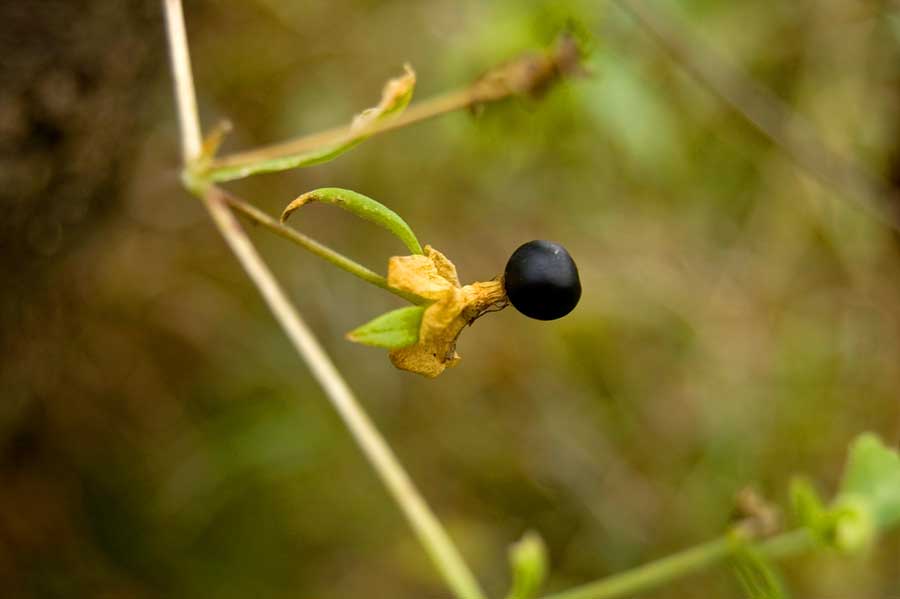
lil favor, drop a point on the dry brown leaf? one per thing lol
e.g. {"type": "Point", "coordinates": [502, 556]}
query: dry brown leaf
{"type": "Point", "coordinates": [395, 96]}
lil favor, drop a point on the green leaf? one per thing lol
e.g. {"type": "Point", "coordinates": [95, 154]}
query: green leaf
{"type": "Point", "coordinates": [363, 207]}
{"type": "Point", "coordinates": [393, 330]}
{"type": "Point", "coordinates": [852, 527]}
{"type": "Point", "coordinates": [809, 510]}
{"type": "Point", "coordinates": [756, 574]}
{"type": "Point", "coordinates": [872, 477]}
{"type": "Point", "coordinates": [528, 562]}
{"type": "Point", "coordinates": [395, 97]}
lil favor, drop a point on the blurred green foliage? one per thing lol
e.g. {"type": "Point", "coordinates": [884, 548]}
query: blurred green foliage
{"type": "Point", "coordinates": [740, 322]}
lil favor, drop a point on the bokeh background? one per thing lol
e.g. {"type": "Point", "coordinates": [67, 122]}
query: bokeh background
{"type": "Point", "coordinates": [740, 321]}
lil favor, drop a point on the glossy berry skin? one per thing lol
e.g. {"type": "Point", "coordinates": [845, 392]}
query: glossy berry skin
{"type": "Point", "coordinates": [541, 280]}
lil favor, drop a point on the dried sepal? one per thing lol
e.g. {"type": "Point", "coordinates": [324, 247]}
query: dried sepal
{"type": "Point", "coordinates": [214, 139]}
{"type": "Point", "coordinates": [434, 277]}
{"type": "Point", "coordinates": [531, 74]}
{"type": "Point", "coordinates": [395, 97]}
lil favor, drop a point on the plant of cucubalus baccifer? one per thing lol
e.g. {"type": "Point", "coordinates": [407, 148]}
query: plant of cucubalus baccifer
{"type": "Point", "coordinates": [541, 281]}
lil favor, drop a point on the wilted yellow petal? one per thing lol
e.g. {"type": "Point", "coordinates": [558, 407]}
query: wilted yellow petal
{"type": "Point", "coordinates": [443, 265]}
{"type": "Point", "coordinates": [442, 323]}
{"type": "Point", "coordinates": [422, 275]}
{"type": "Point", "coordinates": [395, 96]}
{"type": "Point", "coordinates": [433, 276]}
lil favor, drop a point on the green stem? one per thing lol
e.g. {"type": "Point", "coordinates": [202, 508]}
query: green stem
{"type": "Point", "coordinates": [689, 561]}
{"type": "Point", "coordinates": [320, 250]}
{"type": "Point", "coordinates": [232, 166]}
{"type": "Point", "coordinates": [526, 74]}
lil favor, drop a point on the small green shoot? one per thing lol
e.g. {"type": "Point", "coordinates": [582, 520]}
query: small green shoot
{"type": "Point", "coordinates": [528, 564]}
{"type": "Point", "coordinates": [808, 508]}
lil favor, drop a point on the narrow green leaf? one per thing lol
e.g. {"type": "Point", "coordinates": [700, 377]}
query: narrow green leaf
{"type": "Point", "coordinates": [363, 207]}
{"type": "Point", "coordinates": [395, 98]}
{"type": "Point", "coordinates": [756, 574]}
{"type": "Point", "coordinates": [808, 508]}
{"type": "Point", "coordinates": [872, 475]}
{"type": "Point", "coordinates": [528, 563]}
{"type": "Point", "coordinates": [392, 330]}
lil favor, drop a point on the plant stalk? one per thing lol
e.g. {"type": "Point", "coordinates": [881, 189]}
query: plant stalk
{"type": "Point", "coordinates": [429, 530]}
{"type": "Point", "coordinates": [419, 111]}
{"type": "Point", "coordinates": [528, 74]}
{"type": "Point", "coordinates": [188, 115]}
{"type": "Point", "coordinates": [679, 565]}
{"type": "Point", "coordinates": [354, 268]}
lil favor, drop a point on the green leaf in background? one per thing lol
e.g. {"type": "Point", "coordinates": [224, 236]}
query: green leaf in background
{"type": "Point", "coordinates": [852, 524]}
{"type": "Point", "coordinates": [395, 98]}
{"type": "Point", "coordinates": [756, 575]}
{"type": "Point", "coordinates": [528, 562]}
{"type": "Point", "coordinates": [808, 507]}
{"type": "Point", "coordinates": [869, 496]}
{"type": "Point", "coordinates": [363, 207]}
{"type": "Point", "coordinates": [873, 474]}
{"type": "Point", "coordinates": [392, 330]}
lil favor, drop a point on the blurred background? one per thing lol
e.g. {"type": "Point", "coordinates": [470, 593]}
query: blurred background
{"type": "Point", "coordinates": [740, 321]}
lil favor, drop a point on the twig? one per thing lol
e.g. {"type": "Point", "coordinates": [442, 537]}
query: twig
{"type": "Point", "coordinates": [530, 73]}
{"type": "Point", "coordinates": [191, 138]}
{"type": "Point", "coordinates": [259, 217]}
{"type": "Point", "coordinates": [768, 114]}
{"type": "Point", "coordinates": [426, 526]}
{"type": "Point", "coordinates": [416, 112]}
{"type": "Point", "coordinates": [678, 565]}
{"type": "Point", "coordinates": [429, 530]}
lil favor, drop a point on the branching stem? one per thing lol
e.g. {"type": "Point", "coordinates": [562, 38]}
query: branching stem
{"type": "Point", "coordinates": [528, 74]}
{"type": "Point", "coordinates": [416, 112]}
{"type": "Point", "coordinates": [358, 270]}
{"type": "Point", "coordinates": [654, 574]}
{"type": "Point", "coordinates": [430, 532]}
{"type": "Point", "coordinates": [426, 526]}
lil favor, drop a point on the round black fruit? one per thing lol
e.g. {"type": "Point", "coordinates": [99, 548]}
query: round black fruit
{"type": "Point", "coordinates": [541, 280]}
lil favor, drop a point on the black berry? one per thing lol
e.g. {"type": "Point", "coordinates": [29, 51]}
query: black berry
{"type": "Point", "coordinates": [541, 280]}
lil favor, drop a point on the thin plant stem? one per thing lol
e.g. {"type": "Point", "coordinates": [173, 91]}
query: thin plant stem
{"type": "Point", "coordinates": [423, 521]}
{"type": "Point", "coordinates": [529, 74]}
{"type": "Point", "coordinates": [191, 138]}
{"type": "Point", "coordinates": [308, 243]}
{"type": "Point", "coordinates": [768, 114]}
{"type": "Point", "coordinates": [419, 111]}
{"type": "Point", "coordinates": [684, 563]}
{"type": "Point", "coordinates": [429, 530]}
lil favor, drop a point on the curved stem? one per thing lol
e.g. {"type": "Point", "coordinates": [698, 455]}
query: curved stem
{"type": "Point", "coordinates": [308, 243]}
{"type": "Point", "coordinates": [678, 565]}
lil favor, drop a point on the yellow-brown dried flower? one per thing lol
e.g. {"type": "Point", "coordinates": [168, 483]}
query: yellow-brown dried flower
{"type": "Point", "coordinates": [434, 277]}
